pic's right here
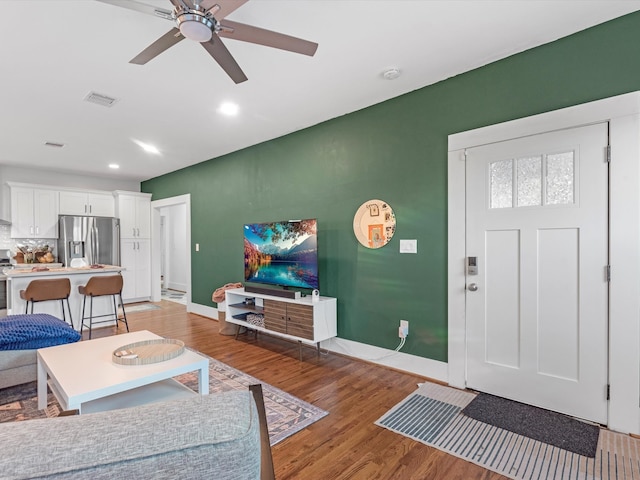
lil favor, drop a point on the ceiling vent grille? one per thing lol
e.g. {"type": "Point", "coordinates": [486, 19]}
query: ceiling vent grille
{"type": "Point", "coordinates": [54, 144]}
{"type": "Point", "coordinates": [100, 99]}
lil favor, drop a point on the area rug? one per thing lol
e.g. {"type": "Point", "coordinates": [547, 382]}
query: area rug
{"type": "Point", "coordinates": [536, 423]}
{"type": "Point", "coordinates": [433, 415]}
{"type": "Point", "coordinates": [174, 296]}
{"type": "Point", "coordinates": [141, 308]}
{"type": "Point", "coordinates": [286, 414]}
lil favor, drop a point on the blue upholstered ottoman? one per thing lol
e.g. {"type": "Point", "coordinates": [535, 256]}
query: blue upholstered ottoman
{"type": "Point", "coordinates": [21, 336]}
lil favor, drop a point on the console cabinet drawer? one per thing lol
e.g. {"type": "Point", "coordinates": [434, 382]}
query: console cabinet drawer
{"type": "Point", "coordinates": [300, 321]}
{"type": "Point", "coordinates": [275, 316]}
{"type": "Point", "coordinates": [292, 319]}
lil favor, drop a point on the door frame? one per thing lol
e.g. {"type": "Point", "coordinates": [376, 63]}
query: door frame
{"type": "Point", "coordinates": [623, 114]}
{"type": "Point", "coordinates": [156, 249]}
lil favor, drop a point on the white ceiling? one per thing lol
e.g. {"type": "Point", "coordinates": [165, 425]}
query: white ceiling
{"type": "Point", "coordinates": [54, 52]}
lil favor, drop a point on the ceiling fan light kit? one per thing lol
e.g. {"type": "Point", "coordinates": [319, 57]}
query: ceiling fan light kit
{"type": "Point", "coordinates": [200, 21]}
{"type": "Point", "coordinates": [195, 26]}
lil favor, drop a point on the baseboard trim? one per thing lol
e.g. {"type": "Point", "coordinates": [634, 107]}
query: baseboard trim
{"type": "Point", "coordinates": [406, 362]}
{"type": "Point", "coordinates": [202, 310]}
{"type": "Point", "coordinates": [425, 367]}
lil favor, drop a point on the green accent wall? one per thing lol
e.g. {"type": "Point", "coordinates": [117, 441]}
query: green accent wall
{"type": "Point", "coordinates": [395, 151]}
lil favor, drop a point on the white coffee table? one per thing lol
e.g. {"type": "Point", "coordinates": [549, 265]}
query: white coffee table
{"type": "Point", "coordinates": [83, 376]}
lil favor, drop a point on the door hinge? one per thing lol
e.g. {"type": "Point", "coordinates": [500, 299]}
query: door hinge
{"type": "Point", "coordinates": [608, 392]}
{"type": "Point", "coordinates": [608, 273]}
{"type": "Point", "coordinates": [608, 153]}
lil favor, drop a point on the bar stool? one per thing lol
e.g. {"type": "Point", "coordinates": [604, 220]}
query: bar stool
{"type": "Point", "coordinates": [46, 290]}
{"type": "Point", "coordinates": [98, 286]}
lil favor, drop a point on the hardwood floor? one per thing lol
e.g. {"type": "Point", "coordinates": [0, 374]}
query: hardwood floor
{"type": "Point", "coordinates": [343, 445]}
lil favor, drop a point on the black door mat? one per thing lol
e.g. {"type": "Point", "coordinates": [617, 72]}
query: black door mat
{"type": "Point", "coordinates": [536, 423]}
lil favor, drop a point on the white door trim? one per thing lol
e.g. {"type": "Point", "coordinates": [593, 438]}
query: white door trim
{"type": "Point", "coordinates": [156, 249]}
{"type": "Point", "coordinates": [623, 114]}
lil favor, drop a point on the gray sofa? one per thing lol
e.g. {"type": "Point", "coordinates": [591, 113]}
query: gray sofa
{"type": "Point", "coordinates": [20, 336]}
{"type": "Point", "coordinates": [213, 436]}
{"type": "Point", "coordinates": [17, 367]}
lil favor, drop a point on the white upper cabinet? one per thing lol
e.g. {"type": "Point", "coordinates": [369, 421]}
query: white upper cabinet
{"type": "Point", "coordinates": [34, 212]}
{"type": "Point", "coordinates": [97, 204]}
{"type": "Point", "coordinates": [134, 211]}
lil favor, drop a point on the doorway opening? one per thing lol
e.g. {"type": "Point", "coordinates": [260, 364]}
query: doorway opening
{"type": "Point", "coordinates": [171, 252]}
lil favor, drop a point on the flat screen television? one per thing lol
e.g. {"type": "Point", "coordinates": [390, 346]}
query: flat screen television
{"type": "Point", "coordinates": [282, 253]}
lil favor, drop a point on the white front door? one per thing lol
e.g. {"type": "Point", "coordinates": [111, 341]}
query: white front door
{"type": "Point", "coordinates": [536, 312]}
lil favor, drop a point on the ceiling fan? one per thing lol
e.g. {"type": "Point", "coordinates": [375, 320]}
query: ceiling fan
{"type": "Point", "coordinates": [204, 21]}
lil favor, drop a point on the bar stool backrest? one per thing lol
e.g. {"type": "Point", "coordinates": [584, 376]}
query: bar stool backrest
{"type": "Point", "coordinates": [49, 289]}
{"type": "Point", "coordinates": [102, 285]}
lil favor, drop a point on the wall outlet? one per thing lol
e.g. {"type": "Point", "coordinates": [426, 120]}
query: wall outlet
{"type": "Point", "coordinates": [403, 331]}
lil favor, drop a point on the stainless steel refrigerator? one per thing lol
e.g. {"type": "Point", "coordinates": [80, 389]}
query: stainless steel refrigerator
{"type": "Point", "coordinates": [88, 240]}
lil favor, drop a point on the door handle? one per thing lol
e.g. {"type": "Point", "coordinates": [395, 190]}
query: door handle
{"type": "Point", "coordinates": [472, 287]}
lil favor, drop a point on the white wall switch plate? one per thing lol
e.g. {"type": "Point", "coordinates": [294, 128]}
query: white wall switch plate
{"type": "Point", "coordinates": [408, 246]}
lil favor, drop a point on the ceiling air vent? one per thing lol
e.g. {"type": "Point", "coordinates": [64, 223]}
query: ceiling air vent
{"type": "Point", "coordinates": [100, 99]}
{"type": "Point", "coordinates": [54, 144]}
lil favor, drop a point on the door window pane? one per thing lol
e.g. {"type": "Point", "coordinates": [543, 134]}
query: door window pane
{"type": "Point", "coordinates": [502, 184]}
{"type": "Point", "coordinates": [560, 179]}
{"type": "Point", "coordinates": [529, 181]}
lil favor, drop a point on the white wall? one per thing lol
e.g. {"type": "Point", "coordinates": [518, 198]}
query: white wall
{"type": "Point", "coordinates": [175, 242]}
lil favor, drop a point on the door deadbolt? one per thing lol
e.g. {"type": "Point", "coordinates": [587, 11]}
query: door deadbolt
{"type": "Point", "coordinates": [472, 265]}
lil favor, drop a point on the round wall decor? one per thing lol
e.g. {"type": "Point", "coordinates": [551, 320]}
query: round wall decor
{"type": "Point", "coordinates": [374, 224]}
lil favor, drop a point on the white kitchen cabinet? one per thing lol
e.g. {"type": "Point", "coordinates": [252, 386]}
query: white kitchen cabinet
{"type": "Point", "coordinates": [135, 256]}
{"type": "Point", "coordinates": [134, 211]}
{"type": "Point", "coordinates": [34, 212]}
{"type": "Point", "coordinates": [87, 203]}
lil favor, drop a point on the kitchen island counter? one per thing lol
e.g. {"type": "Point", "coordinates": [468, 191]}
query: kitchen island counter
{"type": "Point", "coordinates": [19, 278]}
{"type": "Point", "coordinates": [33, 272]}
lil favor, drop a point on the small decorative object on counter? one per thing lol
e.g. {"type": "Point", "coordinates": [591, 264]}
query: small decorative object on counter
{"type": "Point", "coordinates": [33, 251]}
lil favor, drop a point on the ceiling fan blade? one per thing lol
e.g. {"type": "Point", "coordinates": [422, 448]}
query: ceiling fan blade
{"type": "Point", "coordinates": [220, 54]}
{"type": "Point", "coordinates": [169, 39]}
{"type": "Point", "coordinates": [141, 7]}
{"type": "Point", "coordinates": [268, 38]}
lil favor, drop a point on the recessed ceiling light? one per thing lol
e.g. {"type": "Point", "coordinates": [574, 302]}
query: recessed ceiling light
{"type": "Point", "coordinates": [229, 108]}
{"type": "Point", "coordinates": [391, 73]}
{"type": "Point", "coordinates": [147, 147]}
{"type": "Point", "coordinates": [114, 166]}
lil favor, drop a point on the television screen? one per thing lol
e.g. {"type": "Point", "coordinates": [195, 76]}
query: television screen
{"type": "Point", "coordinates": [282, 253]}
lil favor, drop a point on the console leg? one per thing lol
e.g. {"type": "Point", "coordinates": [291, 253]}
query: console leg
{"type": "Point", "coordinates": [318, 349]}
{"type": "Point", "coordinates": [237, 331]}
{"type": "Point", "coordinates": [300, 349]}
